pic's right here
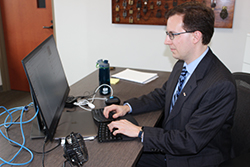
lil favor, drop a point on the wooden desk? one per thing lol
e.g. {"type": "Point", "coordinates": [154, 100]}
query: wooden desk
{"type": "Point", "coordinates": [100, 154]}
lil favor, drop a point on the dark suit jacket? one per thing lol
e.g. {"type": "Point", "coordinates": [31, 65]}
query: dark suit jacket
{"type": "Point", "coordinates": [197, 131]}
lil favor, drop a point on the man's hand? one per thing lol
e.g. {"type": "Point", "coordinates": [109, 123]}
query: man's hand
{"type": "Point", "coordinates": [124, 127]}
{"type": "Point", "coordinates": [118, 109]}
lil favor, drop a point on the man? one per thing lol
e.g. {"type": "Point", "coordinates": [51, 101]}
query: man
{"type": "Point", "coordinates": [196, 125]}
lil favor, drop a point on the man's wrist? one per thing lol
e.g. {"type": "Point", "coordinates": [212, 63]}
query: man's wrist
{"type": "Point", "coordinates": [129, 109]}
{"type": "Point", "coordinates": [141, 134]}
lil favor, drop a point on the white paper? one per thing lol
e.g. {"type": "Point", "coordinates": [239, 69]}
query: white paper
{"type": "Point", "coordinates": [136, 76]}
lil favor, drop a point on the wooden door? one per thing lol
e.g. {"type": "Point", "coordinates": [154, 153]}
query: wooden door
{"type": "Point", "coordinates": [23, 26]}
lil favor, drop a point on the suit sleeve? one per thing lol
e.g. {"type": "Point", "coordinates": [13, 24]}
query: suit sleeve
{"type": "Point", "coordinates": [206, 119]}
{"type": "Point", "coordinates": [155, 100]}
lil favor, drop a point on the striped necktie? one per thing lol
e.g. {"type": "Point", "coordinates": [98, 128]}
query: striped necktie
{"type": "Point", "coordinates": [180, 85]}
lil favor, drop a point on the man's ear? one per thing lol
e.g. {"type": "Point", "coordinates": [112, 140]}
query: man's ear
{"type": "Point", "coordinates": [197, 36]}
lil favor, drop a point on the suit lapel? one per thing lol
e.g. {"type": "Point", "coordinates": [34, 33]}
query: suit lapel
{"type": "Point", "coordinates": [190, 86]}
{"type": "Point", "coordinates": [186, 92]}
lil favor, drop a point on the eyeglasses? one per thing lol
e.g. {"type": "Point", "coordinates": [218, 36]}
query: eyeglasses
{"type": "Point", "coordinates": [172, 35]}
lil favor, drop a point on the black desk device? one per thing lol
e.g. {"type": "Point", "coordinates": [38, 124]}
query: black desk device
{"type": "Point", "coordinates": [75, 150]}
{"type": "Point", "coordinates": [105, 135]}
{"type": "Point", "coordinates": [112, 100]}
{"type": "Point", "coordinates": [99, 117]}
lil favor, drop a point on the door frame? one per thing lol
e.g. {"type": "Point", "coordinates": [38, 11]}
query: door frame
{"type": "Point", "coordinates": [3, 58]}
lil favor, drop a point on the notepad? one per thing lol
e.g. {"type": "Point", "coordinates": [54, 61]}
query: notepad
{"type": "Point", "coordinates": [114, 81]}
{"type": "Point", "coordinates": [136, 76]}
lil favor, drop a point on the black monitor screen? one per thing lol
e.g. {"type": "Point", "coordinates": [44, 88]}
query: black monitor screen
{"type": "Point", "coordinates": [48, 84]}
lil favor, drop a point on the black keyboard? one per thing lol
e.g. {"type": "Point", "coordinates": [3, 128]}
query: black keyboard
{"type": "Point", "coordinates": [105, 135]}
{"type": "Point", "coordinates": [99, 117]}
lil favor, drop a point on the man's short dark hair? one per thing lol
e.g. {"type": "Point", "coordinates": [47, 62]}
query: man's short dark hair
{"type": "Point", "coordinates": [196, 16]}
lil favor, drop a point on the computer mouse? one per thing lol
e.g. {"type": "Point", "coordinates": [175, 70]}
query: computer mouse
{"type": "Point", "coordinates": [112, 100]}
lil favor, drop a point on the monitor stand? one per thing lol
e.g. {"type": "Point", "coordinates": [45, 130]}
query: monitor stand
{"type": "Point", "coordinates": [36, 133]}
{"type": "Point", "coordinates": [37, 125]}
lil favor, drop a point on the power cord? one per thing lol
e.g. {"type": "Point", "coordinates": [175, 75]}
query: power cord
{"type": "Point", "coordinates": [45, 139]}
{"type": "Point", "coordinates": [16, 145]}
{"type": "Point", "coordinates": [64, 163]}
{"type": "Point", "coordinates": [93, 98]}
{"type": "Point", "coordinates": [36, 152]}
{"type": "Point", "coordinates": [89, 101]}
{"type": "Point", "coordinates": [7, 124]}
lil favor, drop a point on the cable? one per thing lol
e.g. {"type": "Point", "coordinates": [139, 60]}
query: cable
{"type": "Point", "coordinates": [87, 109]}
{"type": "Point", "coordinates": [9, 124]}
{"type": "Point", "coordinates": [64, 163]}
{"type": "Point", "coordinates": [46, 152]}
{"type": "Point", "coordinates": [99, 88]}
{"type": "Point", "coordinates": [36, 152]}
{"type": "Point", "coordinates": [82, 102]}
{"type": "Point", "coordinates": [45, 139]}
{"type": "Point", "coordinates": [98, 98]}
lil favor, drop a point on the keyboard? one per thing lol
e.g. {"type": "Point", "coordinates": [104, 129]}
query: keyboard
{"type": "Point", "coordinates": [99, 117]}
{"type": "Point", "coordinates": [105, 135]}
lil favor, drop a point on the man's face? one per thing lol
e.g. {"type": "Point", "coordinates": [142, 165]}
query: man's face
{"type": "Point", "coordinates": [181, 45]}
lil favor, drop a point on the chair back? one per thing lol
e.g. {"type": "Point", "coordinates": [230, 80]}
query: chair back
{"type": "Point", "coordinates": [241, 126]}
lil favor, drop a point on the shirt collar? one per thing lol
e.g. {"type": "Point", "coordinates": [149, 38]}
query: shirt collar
{"type": "Point", "coordinates": [191, 66]}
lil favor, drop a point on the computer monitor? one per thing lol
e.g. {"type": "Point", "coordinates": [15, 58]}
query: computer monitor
{"type": "Point", "coordinates": [48, 85]}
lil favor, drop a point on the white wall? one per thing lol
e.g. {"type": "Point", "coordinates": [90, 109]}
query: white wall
{"type": "Point", "coordinates": [246, 60]}
{"type": "Point", "coordinates": [85, 33]}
